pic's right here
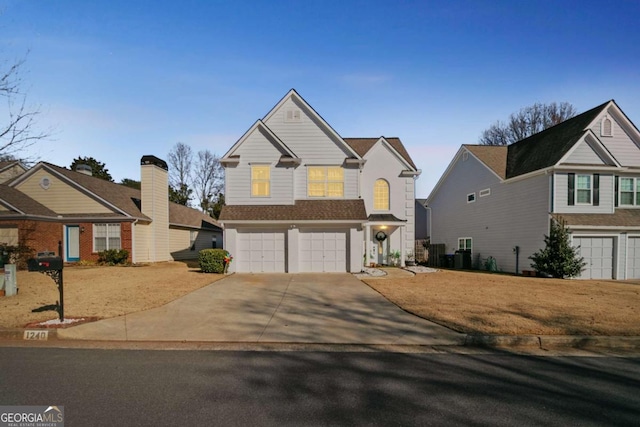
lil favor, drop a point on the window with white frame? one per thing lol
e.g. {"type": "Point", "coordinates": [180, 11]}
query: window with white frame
{"type": "Point", "coordinates": [260, 180]}
{"type": "Point", "coordinates": [629, 191]}
{"type": "Point", "coordinates": [471, 197]}
{"type": "Point", "coordinates": [381, 195]}
{"type": "Point", "coordinates": [325, 181]}
{"type": "Point", "coordinates": [606, 127]}
{"type": "Point", "coordinates": [484, 193]}
{"type": "Point", "coordinates": [583, 189]}
{"type": "Point", "coordinates": [465, 243]}
{"type": "Point", "coordinates": [106, 236]}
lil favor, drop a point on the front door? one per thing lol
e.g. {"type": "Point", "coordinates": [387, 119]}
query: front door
{"type": "Point", "coordinates": [73, 243]}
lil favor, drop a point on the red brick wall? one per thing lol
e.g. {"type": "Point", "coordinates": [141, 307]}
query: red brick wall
{"type": "Point", "coordinates": [44, 236]}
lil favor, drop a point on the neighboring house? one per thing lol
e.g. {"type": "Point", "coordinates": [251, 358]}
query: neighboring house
{"type": "Point", "coordinates": [498, 200]}
{"type": "Point", "coordinates": [48, 204]}
{"type": "Point", "coordinates": [421, 219]}
{"type": "Point", "coordinates": [11, 169]}
{"type": "Point", "coordinates": [300, 198]}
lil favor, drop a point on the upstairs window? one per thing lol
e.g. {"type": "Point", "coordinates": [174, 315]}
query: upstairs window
{"type": "Point", "coordinates": [325, 181]}
{"type": "Point", "coordinates": [583, 189]}
{"type": "Point", "coordinates": [381, 195]}
{"type": "Point", "coordinates": [106, 236]}
{"type": "Point", "coordinates": [471, 197]}
{"type": "Point", "coordinates": [260, 180]}
{"type": "Point", "coordinates": [629, 191]}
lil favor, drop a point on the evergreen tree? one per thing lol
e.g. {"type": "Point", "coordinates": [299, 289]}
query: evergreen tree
{"type": "Point", "coordinates": [558, 259]}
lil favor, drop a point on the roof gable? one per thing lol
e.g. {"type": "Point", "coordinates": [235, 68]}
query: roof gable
{"type": "Point", "coordinates": [259, 126]}
{"type": "Point", "coordinates": [293, 97]}
{"type": "Point", "coordinates": [589, 151]}
{"type": "Point", "coordinates": [363, 145]}
{"type": "Point", "coordinates": [17, 202]}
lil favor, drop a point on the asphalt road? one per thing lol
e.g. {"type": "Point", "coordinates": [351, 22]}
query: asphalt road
{"type": "Point", "coordinates": [227, 388]}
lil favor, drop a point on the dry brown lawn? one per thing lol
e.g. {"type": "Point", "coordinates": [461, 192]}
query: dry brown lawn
{"type": "Point", "coordinates": [101, 291]}
{"type": "Point", "coordinates": [475, 302]}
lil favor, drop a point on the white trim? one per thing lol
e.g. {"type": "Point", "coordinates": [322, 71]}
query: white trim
{"type": "Point", "coordinates": [258, 123]}
{"type": "Point", "coordinates": [484, 193]}
{"type": "Point", "coordinates": [71, 183]}
{"type": "Point", "coordinates": [465, 243]}
{"type": "Point", "coordinates": [293, 93]}
{"type": "Point", "coordinates": [603, 133]}
{"type": "Point", "coordinates": [473, 199]}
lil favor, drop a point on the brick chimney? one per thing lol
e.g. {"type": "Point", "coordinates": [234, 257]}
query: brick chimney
{"type": "Point", "coordinates": [154, 177]}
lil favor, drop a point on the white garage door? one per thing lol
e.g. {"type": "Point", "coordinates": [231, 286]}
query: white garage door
{"type": "Point", "coordinates": [260, 252]}
{"type": "Point", "coordinates": [323, 251]}
{"type": "Point", "coordinates": [598, 254]}
{"type": "Point", "coordinates": [633, 258]}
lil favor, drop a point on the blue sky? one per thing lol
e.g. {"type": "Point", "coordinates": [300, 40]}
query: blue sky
{"type": "Point", "coordinates": [121, 79]}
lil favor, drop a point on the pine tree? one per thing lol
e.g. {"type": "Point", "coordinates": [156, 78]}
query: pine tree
{"type": "Point", "coordinates": [558, 259]}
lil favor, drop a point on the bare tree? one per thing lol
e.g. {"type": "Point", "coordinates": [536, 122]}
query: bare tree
{"type": "Point", "coordinates": [17, 131]}
{"type": "Point", "coordinates": [526, 122]}
{"type": "Point", "coordinates": [208, 179]}
{"type": "Point", "coordinates": [180, 161]}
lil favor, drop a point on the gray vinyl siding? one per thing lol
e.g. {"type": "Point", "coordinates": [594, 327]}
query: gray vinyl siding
{"type": "Point", "coordinates": [561, 195]}
{"type": "Point", "coordinates": [306, 137]}
{"type": "Point", "coordinates": [583, 154]}
{"type": "Point", "coordinates": [514, 214]}
{"type": "Point", "coordinates": [258, 149]}
{"type": "Point", "coordinates": [620, 145]}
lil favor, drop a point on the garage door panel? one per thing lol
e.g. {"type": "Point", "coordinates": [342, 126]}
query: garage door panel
{"type": "Point", "coordinates": [323, 251]}
{"type": "Point", "coordinates": [598, 256]}
{"type": "Point", "coordinates": [261, 252]}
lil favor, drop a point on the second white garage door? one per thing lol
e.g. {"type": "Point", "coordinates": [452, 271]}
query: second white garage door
{"type": "Point", "coordinates": [633, 258]}
{"type": "Point", "coordinates": [323, 251]}
{"type": "Point", "coordinates": [261, 252]}
{"type": "Point", "coordinates": [598, 254]}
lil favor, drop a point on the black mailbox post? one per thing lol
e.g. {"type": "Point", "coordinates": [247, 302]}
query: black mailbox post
{"type": "Point", "coordinates": [52, 267]}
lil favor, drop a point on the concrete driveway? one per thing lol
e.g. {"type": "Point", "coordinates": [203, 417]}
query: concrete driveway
{"type": "Point", "coordinates": [274, 308]}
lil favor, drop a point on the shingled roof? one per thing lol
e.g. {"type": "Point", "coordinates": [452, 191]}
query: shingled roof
{"type": "Point", "coordinates": [363, 145]}
{"type": "Point", "coordinates": [125, 199]}
{"type": "Point", "coordinates": [494, 156]}
{"type": "Point", "coordinates": [619, 218]}
{"type": "Point", "coordinates": [541, 150]}
{"type": "Point", "coordinates": [302, 210]}
{"type": "Point", "coordinates": [546, 148]}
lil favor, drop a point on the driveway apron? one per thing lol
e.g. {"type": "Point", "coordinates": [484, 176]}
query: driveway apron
{"type": "Point", "coordinates": [274, 308]}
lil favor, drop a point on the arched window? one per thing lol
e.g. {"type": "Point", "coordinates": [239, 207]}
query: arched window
{"type": "Point", "coordinates": [606, 127]}
{"type": "Point", "coordinates": [381, 195]}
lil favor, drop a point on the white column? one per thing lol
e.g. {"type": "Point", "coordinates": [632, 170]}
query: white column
{"type": "Point", "coordinates": [367, 244]}
{"type": "Point", "coordinates": [402, 250]}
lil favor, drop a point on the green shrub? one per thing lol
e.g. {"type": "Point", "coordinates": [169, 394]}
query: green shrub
{"type": "Point", "coordinates": [213, 260]}
{"type": "Point", "coordinates": [113, 256]}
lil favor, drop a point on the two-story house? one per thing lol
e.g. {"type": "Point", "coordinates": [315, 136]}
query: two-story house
{"type": "Point", "coordinates": [498, 200]}
{"type": "Point", "coordinates": [300, 198]}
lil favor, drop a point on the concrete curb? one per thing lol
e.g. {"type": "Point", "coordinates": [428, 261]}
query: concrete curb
{"type": "Point", "coordinates": [555, 341]}
{"type": "Point", "coordinates": [584, 342]}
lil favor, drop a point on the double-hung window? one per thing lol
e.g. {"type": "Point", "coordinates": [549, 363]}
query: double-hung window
{"type": "Point", "coordinates": [260, 180]}
{"type": "Point", "coordinates": [325, 181]}
{"type": "Point", "coordinates": [583, 189]}
{"type": "Point", "coordinates": [629, 191]}
{"type": "Point", "coordinates": [106, 236]}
